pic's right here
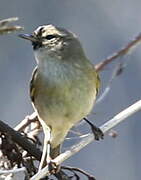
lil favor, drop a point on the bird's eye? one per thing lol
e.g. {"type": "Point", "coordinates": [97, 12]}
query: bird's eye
{"type": "Point", "coordinates": [49, 37]}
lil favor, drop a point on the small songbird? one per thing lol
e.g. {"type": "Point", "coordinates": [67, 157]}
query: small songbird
{"type": "Point", "coordinates": [64, 84]}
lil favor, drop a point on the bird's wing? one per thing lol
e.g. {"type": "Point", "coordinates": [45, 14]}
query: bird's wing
{"type": "Point", "coordinates": [97, 83]}
{"type": "Point", "coordinates": [32, 86]}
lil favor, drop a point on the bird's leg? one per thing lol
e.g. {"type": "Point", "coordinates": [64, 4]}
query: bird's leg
{"type": "Point", "coordinates": [98, 134]}
{"type": "Point", "coordinates": [53, 167]}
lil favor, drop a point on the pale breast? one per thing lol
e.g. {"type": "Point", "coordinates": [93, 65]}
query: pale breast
{"type": "Point", "coordinates": [65, 97]}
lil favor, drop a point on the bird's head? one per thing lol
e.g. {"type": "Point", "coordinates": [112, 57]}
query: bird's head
{"type": "Point", "coordinates": [54, 41]}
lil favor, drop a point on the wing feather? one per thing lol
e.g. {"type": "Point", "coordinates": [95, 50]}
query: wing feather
{"type": "Point", "coordinates": [32, 86]}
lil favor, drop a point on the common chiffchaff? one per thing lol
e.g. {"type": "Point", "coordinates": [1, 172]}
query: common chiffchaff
{"type": "Point", "coordinates": [64, 84]}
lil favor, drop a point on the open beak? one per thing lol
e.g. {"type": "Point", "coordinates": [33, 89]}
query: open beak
{"type": "Point", "coordinates": [29, 37]}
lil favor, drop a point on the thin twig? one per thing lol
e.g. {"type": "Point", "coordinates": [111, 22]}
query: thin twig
{"type": "Point", "coordinates": [17, 170]}
{"type": "Point", "coordinates": [5, 22]}
{"type": "Point", "coordinates": [125, 50]}
{"type": "Point", "coordinates": [5, 28]}
{"type": "Point", "coordinates": [116, 72]}
{"type": "Point", "coordinates": [26, 121]}
{"type": "Point", "coordinates": [87, 140]}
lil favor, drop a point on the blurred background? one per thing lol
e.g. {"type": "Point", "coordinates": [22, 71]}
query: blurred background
{"type": "Point", "coordinates": [103, 28]}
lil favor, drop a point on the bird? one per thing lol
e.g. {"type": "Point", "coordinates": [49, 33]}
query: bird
{"type": "Point", "coordinates": [63, 87]}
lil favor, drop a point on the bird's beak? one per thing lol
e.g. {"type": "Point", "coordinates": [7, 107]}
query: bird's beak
{"type": "Point", "coordinates": [29, 37]}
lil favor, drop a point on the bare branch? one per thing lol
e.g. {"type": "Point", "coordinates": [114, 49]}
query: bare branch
{"type": "Point", "coordinates": [125, 50]}
{"type": "Point", "coordinates": [14, 174]}
{"type": "Point", "coordinates": [116, 72]}
{"type": "Point", "coordinates": [5, 28]}
{"type": "Point", "coordinates": [26, 121]}
{"type": "Point", "coordinates": [21, 140]}
{"type": "Point", "coordinates": [13, 170]}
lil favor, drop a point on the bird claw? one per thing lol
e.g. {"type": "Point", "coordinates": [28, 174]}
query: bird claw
{"type": "Point", "coordinates": [98, 134]}
{"type": "Point", "coordinates": [53, 167]}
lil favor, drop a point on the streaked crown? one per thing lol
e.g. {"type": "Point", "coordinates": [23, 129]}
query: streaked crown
{"type": "Point", "coordinates": [55, 41]}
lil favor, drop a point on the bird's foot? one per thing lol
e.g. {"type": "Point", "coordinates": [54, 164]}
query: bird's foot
{"type": "Point", "coordinates": [53, 167]}
{"type": "Point", "coordinates": [98, 134]}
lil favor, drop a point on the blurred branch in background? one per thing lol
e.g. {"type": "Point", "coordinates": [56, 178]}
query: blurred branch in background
{"type": "Point", "coordinates": [22, 150]}
{"type": "Point", "coordinates": [6, 28]}
{"type": "Point", "coordinates": [119, 68]}
{"type": "Point", "coordinates": [122, 52]}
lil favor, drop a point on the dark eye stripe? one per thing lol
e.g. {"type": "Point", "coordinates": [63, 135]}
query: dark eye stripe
{"type": "Point", "coordinates": [48, 37]}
